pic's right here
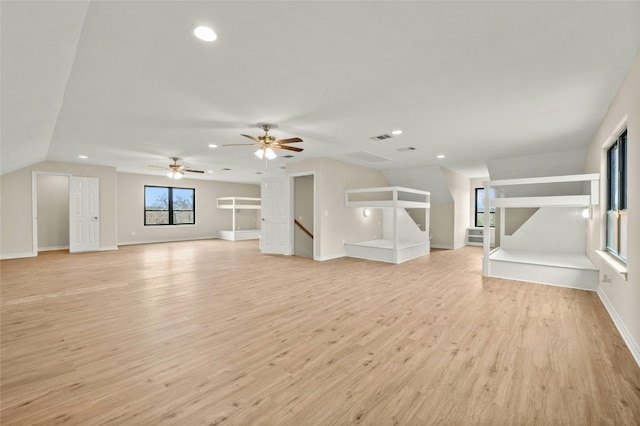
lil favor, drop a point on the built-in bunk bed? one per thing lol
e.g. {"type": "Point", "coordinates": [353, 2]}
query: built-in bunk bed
{"type": "Point", "coordinates": [402, 238]}
{"type": "Point", "coordinates": [547, 244]}
{"type": "Point", "coordinates": [235, 204]}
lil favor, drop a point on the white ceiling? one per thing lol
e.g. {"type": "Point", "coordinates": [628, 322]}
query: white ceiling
{"type": "Point", "coordinates": [127, 84]}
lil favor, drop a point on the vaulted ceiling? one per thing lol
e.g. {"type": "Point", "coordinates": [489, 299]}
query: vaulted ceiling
{"type": "Point", "coordinates": [128, 85]}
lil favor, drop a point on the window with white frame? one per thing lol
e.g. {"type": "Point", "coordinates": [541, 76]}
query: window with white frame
{"type": "Point", "coordinates": [617, 197]}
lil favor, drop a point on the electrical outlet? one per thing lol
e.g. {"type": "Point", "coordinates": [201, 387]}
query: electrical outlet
{"type": "Point", "coordinates": [606, 279]}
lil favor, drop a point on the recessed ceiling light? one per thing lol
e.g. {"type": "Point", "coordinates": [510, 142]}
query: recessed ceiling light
{"type": "Point", "coordinates": [205, 33]}
{"type": "Point", "coordinates": [209, 171]}
{"type": "Point", "coordinates": [213, 145]}
{"type": "Point", "coordinates": [84, 157]}
{"type": "Point", "coordinates": [440, 156]}
{"type": "Point", "coordinates": [396, 132]}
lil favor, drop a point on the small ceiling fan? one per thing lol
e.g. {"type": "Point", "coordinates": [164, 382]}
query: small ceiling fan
{"type": "Point", "coordinates": [176, 171]}
{"type": "Point", "coordinates": [267, 144]}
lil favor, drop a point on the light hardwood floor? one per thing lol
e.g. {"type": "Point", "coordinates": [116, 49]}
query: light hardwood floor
{"type": "Point", "coordinates": [212, 332]}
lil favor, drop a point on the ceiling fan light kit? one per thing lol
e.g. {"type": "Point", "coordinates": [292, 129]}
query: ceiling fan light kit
{"type": "Point", "coordinates": [174, 174]}
{"type": "Point", "coordinates": [175, 170]}
{"type": "Point", "coordinates": [267, 144]}
{"type": "Point", "coordinates": [265, 152]}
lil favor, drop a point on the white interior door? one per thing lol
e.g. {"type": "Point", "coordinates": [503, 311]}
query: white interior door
{"type": "Point", "coordinates": [84, 220]}
{"type": "Point", "coordinates": [276, 216]}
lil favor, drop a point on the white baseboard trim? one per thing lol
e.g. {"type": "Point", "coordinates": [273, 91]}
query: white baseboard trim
{"type": "Point", "coordinates": [323, 258]}
{"type": "Point", "coordinates": [456, 247]}
{"type": "Point", "coordinates": [174, 240]}
{"type": "Point", "coordinates": [17, 255]}
{"type": "Point", "coordinates": [442, 246]}
{"type": "Point", "coordinates": [626, 336]}
{"type": "Point", "coordinates": [53, 248]}
{"type": "Point", "coordinates": [108, 248]}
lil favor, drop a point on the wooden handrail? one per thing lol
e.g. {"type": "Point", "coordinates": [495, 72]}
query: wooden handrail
{"type": "Point", "coordinates": [306, 231]}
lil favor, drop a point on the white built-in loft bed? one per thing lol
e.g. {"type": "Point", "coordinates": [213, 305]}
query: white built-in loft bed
{"type": "Point", "coordinates": [235, 204]}
{"type": "Point", "coordinates": [402, 239]}
{"type": "Point", "coordinates": [550, 247]}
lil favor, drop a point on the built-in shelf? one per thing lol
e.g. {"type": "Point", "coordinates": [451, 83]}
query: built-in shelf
{"type": "Point", "coordinates": [475, 236]}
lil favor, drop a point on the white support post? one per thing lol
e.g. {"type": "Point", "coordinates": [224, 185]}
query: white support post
{"type": "Point", "coordinates": [486, 231]}
{"type": "Point", "coordinates": [233, 220]}
{"type": "Point", "coordinates": [395, 226]}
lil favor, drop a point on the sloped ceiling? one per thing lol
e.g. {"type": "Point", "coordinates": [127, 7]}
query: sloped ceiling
{"type": "Point", "coordinates": [127, 84]}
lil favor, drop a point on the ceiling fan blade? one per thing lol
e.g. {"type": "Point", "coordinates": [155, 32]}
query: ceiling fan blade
{"type": "Point", "coordinates": [290, 148]}
{"type": "Point", "coordinates": [240, 144]}
{"type": "Point", "coordinates": [193, 171]}
{"type": "Point", "coordinates": [290, 140]}
{"type": "Point", "coordinates": [251, 137]}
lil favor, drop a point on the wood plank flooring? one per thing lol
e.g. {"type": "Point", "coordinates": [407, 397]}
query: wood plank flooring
{"type": "Point", "coordinates": [214, 333]}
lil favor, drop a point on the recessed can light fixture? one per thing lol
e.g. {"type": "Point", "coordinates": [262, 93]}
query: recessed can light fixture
{"type": "Point", "coordinates": [209, 171]}
{"type": "Point", "coordinates": [84, 157]}
{"type": "Point", "coordinates": [205, 33]}
{"type": "Point", "coordinates": [441, 156]}
{"type": "Point", "coordinates": [213, 145]}
{"type": "Point", "coordinates": [396, 132]}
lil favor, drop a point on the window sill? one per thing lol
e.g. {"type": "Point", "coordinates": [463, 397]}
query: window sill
{"type": "Point", "coordinates": [614, 263]}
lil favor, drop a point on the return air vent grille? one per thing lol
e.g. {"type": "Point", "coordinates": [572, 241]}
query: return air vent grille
{"type": "Point", "coordinates": [381, 137]}
{"type": "Point", "coordinates": [407, 148]}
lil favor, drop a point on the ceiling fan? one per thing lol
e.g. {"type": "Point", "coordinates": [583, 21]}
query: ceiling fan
{"type": "Point", "coordinates": [267, 144]}
{"type": "Point", "coordinates": [176, 171]}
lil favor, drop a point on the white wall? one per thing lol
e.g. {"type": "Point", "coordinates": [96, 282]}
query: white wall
{"type": "Point", "coordinates": [621, 297]}
{"type": "Point", "coordinates": [16, 226]}
{"type": "Point", "coordinates": [337, 224]}
{"type": "Point", "coordinates": [209, 219]}
{"type": "Point", "coordinates": [53, 212]}
{"type": "Point", "coordinates": [459, 188]}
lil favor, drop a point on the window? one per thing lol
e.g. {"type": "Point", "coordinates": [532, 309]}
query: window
{"type": "Point", "coordinates": [617, 197]}
{"type": "Point", "coordinates": [169, 206]}
{"type": "Point", "coordinates": [480, 208]}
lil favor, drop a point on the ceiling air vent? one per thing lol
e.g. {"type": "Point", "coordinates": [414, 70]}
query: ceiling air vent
{"type": "Point", "coordinates": [381, 137]}
{"type": "Point", "coordinates": [408, 148]}
{"type": "Point", "coordinates": [226, 169]}
{"type": "Point", "coordinates": [287, 156]}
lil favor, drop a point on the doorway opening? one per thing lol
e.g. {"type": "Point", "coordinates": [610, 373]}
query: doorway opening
{"type": "Point", "coordinates": [50, 211]}
{"type": "Point", "coordinates": [304, 227]}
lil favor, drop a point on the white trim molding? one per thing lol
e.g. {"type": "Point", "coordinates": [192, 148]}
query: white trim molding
{"type": "Point", "coordinates": [17, 255]}
{"type": "Point", "coordinates": [626, 336]}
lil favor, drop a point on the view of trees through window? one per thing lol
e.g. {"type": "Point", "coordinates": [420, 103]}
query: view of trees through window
{"type": "Point", "coordinates": [480, 208]}
{"type": "Point", "coordinates": [169, 206]}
